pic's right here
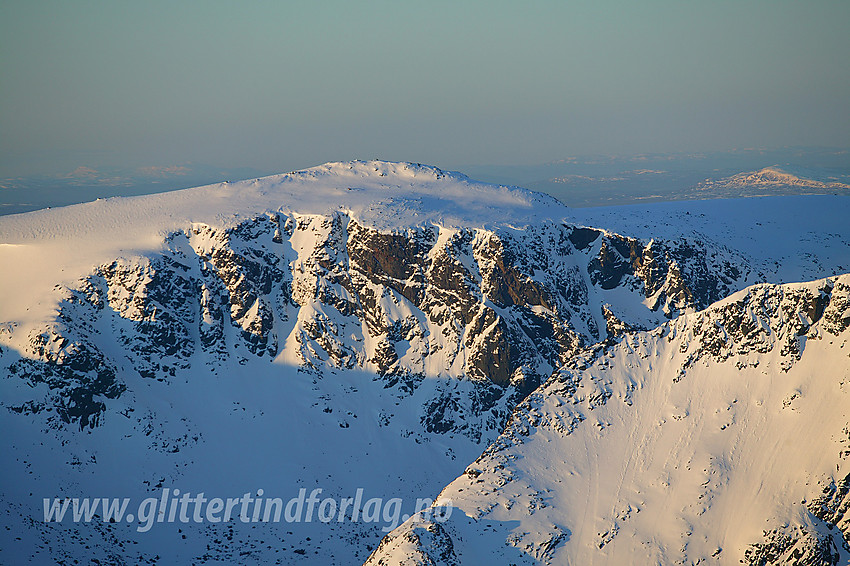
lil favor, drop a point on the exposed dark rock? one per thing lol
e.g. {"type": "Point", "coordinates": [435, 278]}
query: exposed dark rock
{"type": "Point", "coordinates": [502, 309]}
{"type": "Point", "coordinates": [833, 505]}
{"type": "Point", "coordinates": [434, 547]}
{"type": "Point", "coordinates": [799, 546]}
{"type": "Point", "coordinates": [583, 237]}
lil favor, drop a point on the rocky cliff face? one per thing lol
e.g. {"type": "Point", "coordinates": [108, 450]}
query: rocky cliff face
{"type": "Point", "coordinates": [501, 308]}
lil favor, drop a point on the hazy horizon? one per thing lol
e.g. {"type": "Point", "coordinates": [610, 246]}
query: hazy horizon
{"type": "Point", "coordinates": [577, 181]}
{"type": "Point", "coordinates": [280, 86]}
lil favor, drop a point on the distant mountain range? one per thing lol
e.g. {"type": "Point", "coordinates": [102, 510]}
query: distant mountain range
{"type": "Point", "coordinates": [773, 180]}
{"type": "Point", "coordinates": [613, 180]}
{"type": "Point", "coordinates": [576, 181]}
{"type": "Point", "coordinates": [655, 185]}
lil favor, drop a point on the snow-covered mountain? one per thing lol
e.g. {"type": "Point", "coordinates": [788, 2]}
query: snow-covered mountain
{"type": "Point", "coordinates": [503, 305]}
{"type": "Point", "coordinates": [612, 181]}
{"type": "Point", "coordinates": [356, 325]}
{"type": "Point", "coordinates": [771, 180]}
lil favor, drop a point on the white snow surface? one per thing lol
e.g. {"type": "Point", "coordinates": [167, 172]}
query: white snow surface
{"type": "Point", "coordinates": [792, 238]}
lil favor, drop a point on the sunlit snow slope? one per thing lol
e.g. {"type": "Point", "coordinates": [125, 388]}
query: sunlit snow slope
{"type": "Point", "coordinates": [720, 437]}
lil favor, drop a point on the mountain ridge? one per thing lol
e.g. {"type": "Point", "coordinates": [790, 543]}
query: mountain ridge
{"type": "Point", "coordinates": [403, 345]}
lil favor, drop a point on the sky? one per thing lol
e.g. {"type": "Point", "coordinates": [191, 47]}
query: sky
{"type": "Point", "coordinates": [283, 85]}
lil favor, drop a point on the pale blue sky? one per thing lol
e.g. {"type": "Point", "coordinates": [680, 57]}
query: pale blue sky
{"type": "Point", "coordinates": [284, 85]}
